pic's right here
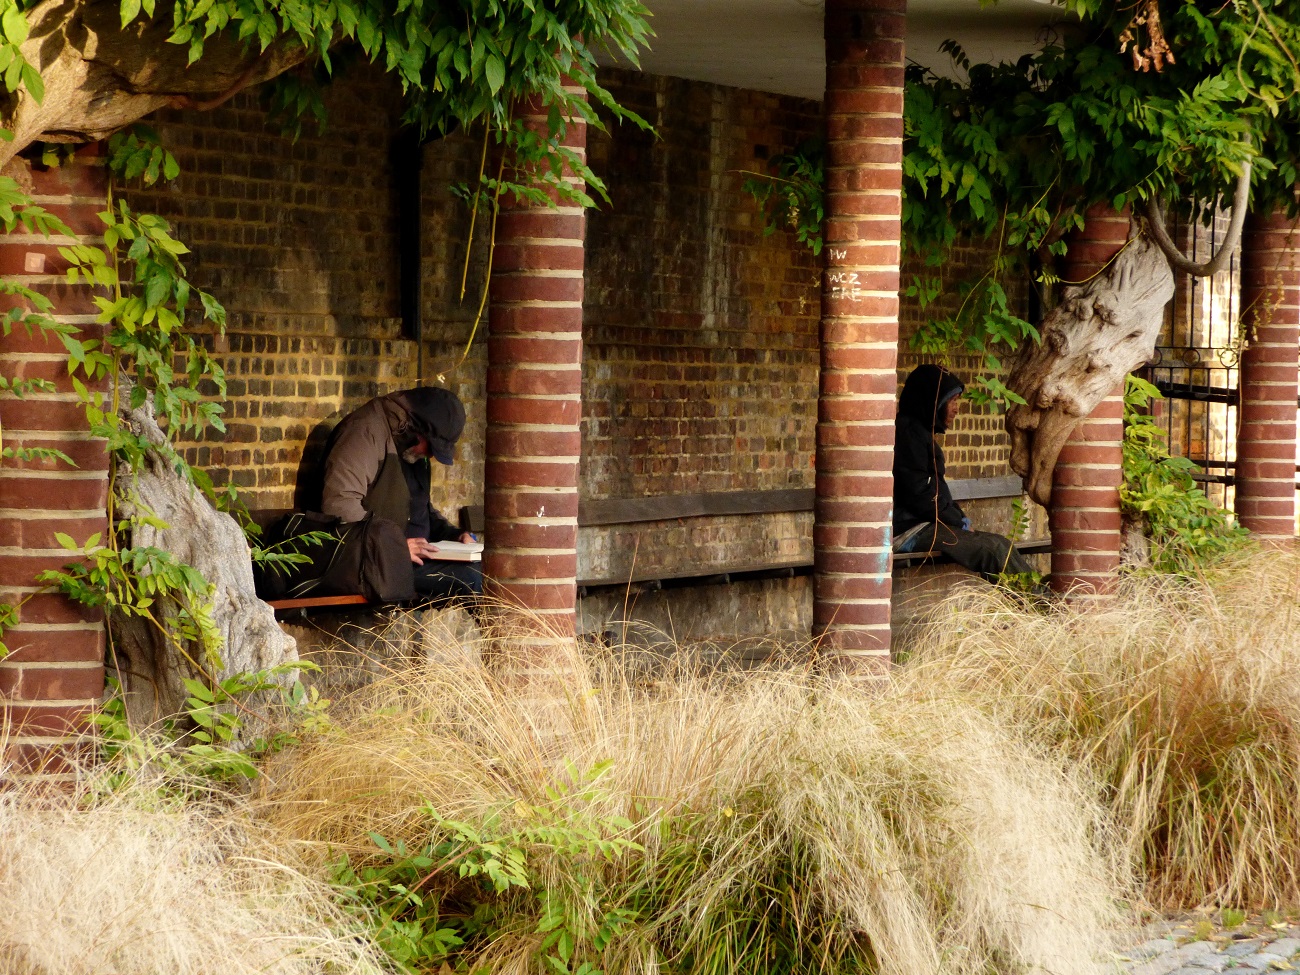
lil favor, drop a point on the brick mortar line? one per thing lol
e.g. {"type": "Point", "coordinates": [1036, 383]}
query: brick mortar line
{"type": "Point", "coordinates": [10, 550]}
{"type": "Point", "coordinates": [36, 629]}
{"type": "Point", "coordinates": [849, 575]}
{"type": "Point", "coordinates": [558, 397]}
{"type": "Point", "coordinates": [53, 703]}
{"type": "Point", "coordinates": [540, 305]}
{"type": "Point", "coordinates": [47, 740]}
{"type": "Point", "coordinates": [52, 665]}
{"type": "Point", "coordinates": [544, 522]}
{"type": "Point", "coordinates": [44, 514]}
{"type": "Point", "coordinates": [55, 397]}
{"type": "Point", "coordinates": [54, 240]}
{"type": "Point", "coordinates": [68, 319]}
{"type": "Point", "coordinates": [568, 337]}
{"type": "Point", "coordinates": [33, 474]}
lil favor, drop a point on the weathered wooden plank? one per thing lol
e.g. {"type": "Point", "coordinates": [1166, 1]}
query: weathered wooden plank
{"type": "Point", "coordinates": [969, 489]}
{"type": "Point", "coordinates": [696, 571]}
{"type": "Point", "coordinates": [620, 511]}
{"type": "Point", "coordinates": [318, 601]}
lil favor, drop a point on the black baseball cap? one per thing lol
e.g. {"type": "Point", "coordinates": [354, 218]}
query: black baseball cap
{"type": "Point", "coordinates": [438, 415]}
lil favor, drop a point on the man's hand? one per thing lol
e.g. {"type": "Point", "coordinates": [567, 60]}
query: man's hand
{"type": "Point", "coordinates": [466, 538]}
{"type": "Point", "coordinates": [420, 549]}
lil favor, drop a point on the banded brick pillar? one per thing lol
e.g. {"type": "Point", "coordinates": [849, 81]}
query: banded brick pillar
{"type": "Point", "coordinates": [1084, 516]}
{"type": "Point", "coordinates": [859, 332]}
{"type": "Point", "coordinates": [54, 674]}
{"type": "Point", "coordinates": [1266, 439]}
{"type": "Point", "coordinates": [534, 403]}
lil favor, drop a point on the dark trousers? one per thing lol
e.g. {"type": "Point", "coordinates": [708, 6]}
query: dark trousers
{"type": "Point", "coordinates": [983, 552]}
{"type": "Point", "coordinates": [440, 582]}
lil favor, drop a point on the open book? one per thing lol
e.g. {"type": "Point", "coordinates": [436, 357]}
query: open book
{"type": "Point", "coordinates": [458, 551]}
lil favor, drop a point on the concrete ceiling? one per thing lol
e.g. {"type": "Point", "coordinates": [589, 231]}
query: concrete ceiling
{"type": "Point", "coordinates": [777, 46]}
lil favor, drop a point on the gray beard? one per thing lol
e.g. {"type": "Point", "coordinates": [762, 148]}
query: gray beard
{"type": "Point", "coordinates": [410, 456]}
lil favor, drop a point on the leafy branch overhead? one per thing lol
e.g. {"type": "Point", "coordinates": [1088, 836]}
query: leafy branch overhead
{"type": "Point", "coordinates": [462, 62]}
{"type": "Point", "coordinates": [80, 70]}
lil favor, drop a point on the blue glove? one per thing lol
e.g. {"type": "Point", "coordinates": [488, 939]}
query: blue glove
{"type": "Point", "coordinates": [965, 525]}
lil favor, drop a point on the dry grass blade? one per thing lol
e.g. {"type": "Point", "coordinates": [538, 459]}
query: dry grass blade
{"type": "Point", "coordinates": [1182, 698]}
{"type": "Point", "coordinates": [133, 887]}
{"type": "Point", "coordinates": [785, 824]}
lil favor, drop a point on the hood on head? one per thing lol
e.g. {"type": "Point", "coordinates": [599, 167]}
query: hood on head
{"type": "Point", "coordinates": [436, 414]}
{"type": "Point", "coordinates": [926, 393]}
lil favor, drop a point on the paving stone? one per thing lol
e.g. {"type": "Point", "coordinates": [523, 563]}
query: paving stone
{"type": "Point", "coordinates": [1212, 962]}
{"type": "Point", "coordinates": [1260, 961]}
{"type": "Point", "coordinates": [1240, 949]}
{"type": "Point", "coordinates": [1167, 961]}
{"type": "Point", "coordinates": [1286, 947]}
{"type": "Point", "coordinates": [1197, 967]}
{"type": "Point", "coordinates": [1162, 964]}
{"type": "Point", "coordinates": [1149, 949]}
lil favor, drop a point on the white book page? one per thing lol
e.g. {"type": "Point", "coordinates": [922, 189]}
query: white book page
{"type": "Point", "coordinates": [459, 551]}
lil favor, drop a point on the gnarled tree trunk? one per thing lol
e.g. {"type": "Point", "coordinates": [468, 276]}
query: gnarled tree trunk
{"type": "Point", "coordinates": [210, 541]}
{"type": "Point", "coordinates": [99, 78]}
{"type": "Point", "coordinates": [1101, 331]}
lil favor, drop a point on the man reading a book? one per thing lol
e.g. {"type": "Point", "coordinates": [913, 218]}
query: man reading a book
{"type": "Point", "coordinates": [376, 466]}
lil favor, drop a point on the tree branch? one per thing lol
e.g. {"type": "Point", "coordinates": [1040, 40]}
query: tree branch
{"type": "Point", "coordinates": [1177, 259]}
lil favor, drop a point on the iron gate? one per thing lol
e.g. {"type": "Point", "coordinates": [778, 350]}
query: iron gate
{"type": "Point", "coordinates": [1196, 364]}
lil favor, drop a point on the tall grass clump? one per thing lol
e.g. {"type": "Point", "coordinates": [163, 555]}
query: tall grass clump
{"type": "Point", "coordinates": [757, 822]}
{"type": "Point", "coordinates": [135, 883]}
{"type": "Point", "coordinates": [1182, 697]}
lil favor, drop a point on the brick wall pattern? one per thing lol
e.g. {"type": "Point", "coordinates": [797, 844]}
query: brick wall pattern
{"type": "Point", "coordinates": [859, 334]}
{"type": "Point", "coordinates": [54, 674]}
{"type": "Point", "coordinates": [1266, 441]}
{"type": "Point", "coordinates": [1084, 515]}
{"type": "Point", "coordinates": [700, 342]}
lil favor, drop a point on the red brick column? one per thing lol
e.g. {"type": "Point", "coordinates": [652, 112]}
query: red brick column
{"type": "Point", "coordinates": [54, 674]}
{"type": "Point", "coordinates": [1084, 516]}
{"type": "Point", "coordinates": [534, 405]}
{"type": "Point", "coordinates": [1266, 441]}
{"type": "Point", "coordinates": [859, 333]}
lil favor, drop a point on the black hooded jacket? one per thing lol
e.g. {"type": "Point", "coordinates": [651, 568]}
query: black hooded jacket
{"type": "Point", "coordinates": [920, 492]}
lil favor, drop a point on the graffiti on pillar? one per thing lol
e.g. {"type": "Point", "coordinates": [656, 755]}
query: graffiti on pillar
{"type": "Point", "coordinates": [838, 255]}
{"type": "Point", "coordinates": [843, 284]}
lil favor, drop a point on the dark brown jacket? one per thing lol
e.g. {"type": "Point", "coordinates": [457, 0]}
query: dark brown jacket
{"type": "Point", "coordinates": [363, 473]}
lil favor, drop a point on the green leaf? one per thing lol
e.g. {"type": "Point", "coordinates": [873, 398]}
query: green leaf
{"type": "Point", "coordinates": [494, 70]}
{"type": "Point", "coordinates": [33, 82]}
{"type": "Point", "coordinates": [130, 10]}
{"type": "Point", "coordinates": [14, 25]}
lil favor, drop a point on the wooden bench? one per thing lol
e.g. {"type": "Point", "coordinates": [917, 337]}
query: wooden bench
{"type": "Point", "coordinates": [631, 511]}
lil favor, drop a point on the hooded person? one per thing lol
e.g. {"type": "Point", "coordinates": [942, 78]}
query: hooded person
{"type": "Point", "coordinates": [376, 467]}
{"type": "Point", "coordinates": [926, 518]}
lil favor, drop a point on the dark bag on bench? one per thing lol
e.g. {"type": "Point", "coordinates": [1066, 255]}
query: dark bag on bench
{"type": "Point", "coordinates": [367, 557]}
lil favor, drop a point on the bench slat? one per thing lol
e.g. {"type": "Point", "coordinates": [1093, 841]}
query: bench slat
{"type": "Point", "coordinates": [667, 507]}
{"type": "Point", "coordinates": [317, 601]}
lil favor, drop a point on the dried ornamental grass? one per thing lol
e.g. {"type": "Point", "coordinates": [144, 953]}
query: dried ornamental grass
{"type": "Point", "coordinates": [786, 824]}
{"type": "Point", "coordinates": [126, 887]}
{"type": "Point", "coordinates": [1182, 698]}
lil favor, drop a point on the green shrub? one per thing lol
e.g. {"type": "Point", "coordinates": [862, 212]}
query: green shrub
{"type": "Point", "coordinates": [1185, 527]}
{"type": "Point", "coordinates": [768, 823]}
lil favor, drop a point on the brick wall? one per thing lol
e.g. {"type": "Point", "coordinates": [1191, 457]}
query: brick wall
{"type": "Point", "coordinates": [299, 242]}
{"type": "Point", "coordinates": [54, 673]}
{"type": "Point", "coordinates": [701, 333]}
{"type": "Point", "coordinates": [701, 362]}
